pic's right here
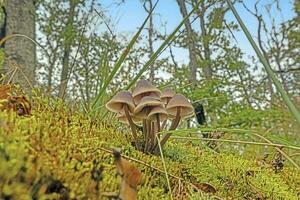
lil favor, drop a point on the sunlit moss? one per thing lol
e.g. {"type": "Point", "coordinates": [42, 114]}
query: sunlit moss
{"type": "Point", "coordinates": [60, 145]}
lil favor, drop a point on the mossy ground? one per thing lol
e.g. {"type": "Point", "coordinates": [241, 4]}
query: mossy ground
{"type": "Point", "coordinates": [55, 153]}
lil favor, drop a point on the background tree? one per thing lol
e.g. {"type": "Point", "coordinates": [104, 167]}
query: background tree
{"type": "Point", "coordinates": [82, 47]}
{"type": "Point", "coordinates": [190, 40]}
{"type": "Point", "coordinates": [20, 52]}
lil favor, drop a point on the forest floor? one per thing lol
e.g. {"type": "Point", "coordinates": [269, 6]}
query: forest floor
{"type": "Point", "coordinates": [59, 153]}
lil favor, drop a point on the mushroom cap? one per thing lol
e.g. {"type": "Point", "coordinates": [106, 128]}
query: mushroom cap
{"type": "Point", "coordinates": [143, 87]}
{"type": "Point", "coordinates": [117, 103]}
{"type": "Point", "coordinates": [147, 102]}
{"type": "Point", "coordinates": [166, 95]}
{"type": "Point", "coordinates": [138, 98]}
{"type": "Point", "coordinates": [180, 101]}
{"type": "Point", "coordinates": [163, 114]}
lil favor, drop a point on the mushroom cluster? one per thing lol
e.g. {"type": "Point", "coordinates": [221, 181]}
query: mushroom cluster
{"type": "Point", "coordinates": [150, 108]}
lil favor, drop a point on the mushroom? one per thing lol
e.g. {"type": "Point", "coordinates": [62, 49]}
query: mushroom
{"type": "Point", "coordinates": [166, 95]}
{"type": "Point", "coordinates": [178, 108]}
{"type": "Point", "coordinates": [123, 102]}
{"type": "Point", "coordinates": [120, 102]}
{"type": "Point", "coordinates": [157, 114]}
{"type": "Point", "coordinates": [142, 110]}
{"type": "Point", "coordinates": [144, 88]}
{"type": "Point", "coordinates": [180, 103]}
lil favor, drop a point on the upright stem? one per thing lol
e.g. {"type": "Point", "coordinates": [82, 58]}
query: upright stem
{"type": "Point", "coordinates": [144, 129]}
{"type": "Point", "coordinates": [148, 123]}
{"type": "Point", "coordinates": [174, 125]}
{"type": "Point", "coordinates": [154, 141]}
{"type": "Point", "coordinates": [266, 65]}
{"type": "Point", "coordinates": [158, 122]}
{"type": "Point", "coordinates": [164, 124]}
{"type": "Point", "coordinates": [176, 121]}
{"type": "Point", "coordinates": [132, 125]}
{"type": "Point", "coordinates": [152, 136]}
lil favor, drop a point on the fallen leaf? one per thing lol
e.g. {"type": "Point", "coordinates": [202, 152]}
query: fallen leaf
{"type": "Point", "coordinates": [206, 187]}
{"type": "Point", "coordinates": [11, 99]}
{"type": "Point", "coordinates": [131, 177]}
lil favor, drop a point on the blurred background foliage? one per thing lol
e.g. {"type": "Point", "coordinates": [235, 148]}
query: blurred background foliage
{"type": "Point", "coordinates": [232, 86]}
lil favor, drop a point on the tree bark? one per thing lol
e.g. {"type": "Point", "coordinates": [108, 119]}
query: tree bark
{"type": "Point", "coordinates": [20, 53]}
{"type": "Point", "coordinates": [150, 40]}
{"type": "Point", "coordinates": [207, 69]}
{"type": "Point", "coordinates": [191, 44]}
{"type": "Point", "coordinates": [150, 36]}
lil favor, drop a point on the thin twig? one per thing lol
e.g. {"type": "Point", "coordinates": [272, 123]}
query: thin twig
{"type": "Point", "coordinates": [164, 165]}
{"type": "Point", "coordinates": [8, 37]}
{"type": "Point", "coordinates": [235, 141]}
{"type": "Point", "coordinates": [279, 150]}
{"type": "Point", "coordinates": [245, 131]}
{"type": "Point", "coordinates": [295, 154]}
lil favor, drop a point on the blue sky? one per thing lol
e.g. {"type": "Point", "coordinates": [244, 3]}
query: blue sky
{"type": "Point", "coordinates": [128, 16]}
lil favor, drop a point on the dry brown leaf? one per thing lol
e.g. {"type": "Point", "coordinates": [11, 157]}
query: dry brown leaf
{"type": "Point", "coordinates": [5, 91]}
{"type": "Point", "coordinates": [131, 177]}
{"type": "Point", "coordinates": [11, 99]}
{"type": "Point", "coordinates": [206, 187]}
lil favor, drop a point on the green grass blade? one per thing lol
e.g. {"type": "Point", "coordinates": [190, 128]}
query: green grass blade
{"type": "Point", "coordinates": [266, 65]}
{"type": "Point", "coordinates": [164, 165]}
{"type": "Point", "coordinates": [160, 49]}
{"type": "Point", "coordinates": [120, 61]}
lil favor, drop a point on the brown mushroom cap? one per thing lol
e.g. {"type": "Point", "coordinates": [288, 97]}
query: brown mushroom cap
{"type": "Point", "coordinates": [163, 114]}
{"type": "Point", "coordinates": [117, 103]}
{"type": "Point", "coordinates": [180, 101]}
{"type": "Point", "coordinates": [147, 102]}
{"type": "Point", "coordinates": [166, 95]}
{"type": "Point", "coordinates": [138, 98]}
{"type": "Point", "coordinates": [144, 88]}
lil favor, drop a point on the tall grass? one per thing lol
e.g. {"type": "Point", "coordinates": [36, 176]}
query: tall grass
{"type": "Point", "coordinates": [120, 61]}
{"type": "Point", "coordinates": [151, 60]}
{"type": "Point", "coordinates": [266, 65]}
{"type": "Point", "coordinates": [160, 49]}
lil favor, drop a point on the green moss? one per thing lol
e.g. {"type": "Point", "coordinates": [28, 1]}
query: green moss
{"type": "Point", "coordinates": [62, 144]}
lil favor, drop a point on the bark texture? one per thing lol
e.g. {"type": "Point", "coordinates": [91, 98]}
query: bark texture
{"type": "Point", "coordinates": [190, 43]}
{"type": "Point", "coordinates": [67, 51]}
{"type": "Point", "coordinates": [207, 69]}
{"type": "Point", "coordinates": [150, 40]}
{"type": "Point", "coordinates": [20, 53]}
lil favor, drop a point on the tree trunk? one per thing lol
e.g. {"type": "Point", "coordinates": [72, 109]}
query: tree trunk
{"type": "Point", "coordinates": [20, 53]}
{"type": "Point", "coordinates": [190, 41]}
{"type": "Point", "coordinates": [150, 40]}
{"type": "Point", "coordinates": [67, 51]}
{"type": "Point", "coordinates": [207, 69]}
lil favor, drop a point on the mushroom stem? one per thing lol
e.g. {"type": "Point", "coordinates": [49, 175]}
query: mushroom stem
{"type": "Point", "coordinates": [158, 122]}
{"type": "Point", "coordinates": [174, 125]}
{"type": "Point", "coordinates": [164, 124]}
{"type": "Point", "coordinates": [152, 136]}
{"type": "Point", "coordinates": [154, 141]}
{"type": "Point", "coordinates": [148, 123]}
{"type": "Point", "coordinates": [132, 126]}
{"type": "Point", "coordinates": [144, 129]}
